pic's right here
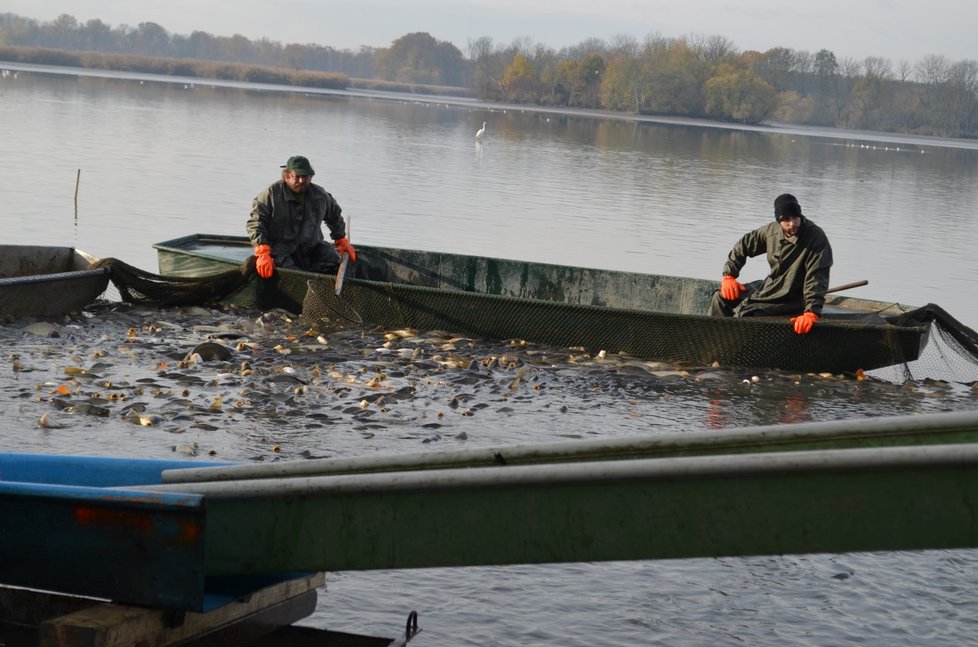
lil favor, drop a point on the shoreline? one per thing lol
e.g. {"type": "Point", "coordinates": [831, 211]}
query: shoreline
{"type": "Point", "coordinates": [774, 128]}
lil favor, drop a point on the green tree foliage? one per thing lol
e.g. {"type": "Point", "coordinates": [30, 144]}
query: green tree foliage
{"type": "Point", "coordinates": [489, 68]}
{"type": "Point", "coordinates": [695, 76]}
{"type": "Point", "coordinates": [520, 83]}
{"type": "Point", "coordinates": [545, 62]}
{"type": "Point", "coordinates": [566, 74]}
{"type": "Point", "coordinates": [737, 94]}
{"type": "Point", "coordinates": [793, 108]}
{"type": "Point", "coordinates": [587, 83]}
{"type": "Point", "coordinates": [419, 58]}
{"type": "Point", "coordinates": [947, 94]}
{"type": "Point", "coordinates": [151, 39]}
{"type": "Point", "coordinates": [175, 66]}
{"type": "Point", "coordinates": [775, 67]}
{"type": "Point", "coordinates": [677, 79]}
{"type": "Point", "coordinates": [824, 101]}
{"type": "Point", "coordinates": [624, 85]}
{"type": "Point", "coordinates": [864, 109]}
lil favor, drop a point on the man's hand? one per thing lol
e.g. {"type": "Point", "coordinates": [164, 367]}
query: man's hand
{"type": "Point", "coordinates": [263, 261]}
{"type": "Point", "coordinates": [730, 289]}
{"type": "Point", "coordinates": [343, 246]}
{"type": "Point", "coordinates": [804, 322]}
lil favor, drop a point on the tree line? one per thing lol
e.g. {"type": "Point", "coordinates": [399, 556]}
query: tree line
{"type": "Point", "coordinates": [695, 76]}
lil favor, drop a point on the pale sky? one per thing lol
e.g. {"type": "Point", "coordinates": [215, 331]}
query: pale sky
{"type": "Point", "coordinates": [900, 30]}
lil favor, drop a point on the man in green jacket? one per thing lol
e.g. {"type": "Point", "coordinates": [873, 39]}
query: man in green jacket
{"type": "Point", "coordinates": [800, 257]}
{"type": "Point", "coordinates": [285, 226]}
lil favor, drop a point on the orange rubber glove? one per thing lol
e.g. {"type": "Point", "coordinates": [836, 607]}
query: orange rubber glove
{"type": "Point", "coordinates": [343, 246]}
{"type": "Point", "coordinates": [263, 261]}
{"type": "Point", "coordinates": [804, 322]}
{"type": "Point", "coordinates": [730, 289]}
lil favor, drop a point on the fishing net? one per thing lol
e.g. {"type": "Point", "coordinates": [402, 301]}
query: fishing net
{"type": "Point", "coordinates": [950, 353]}
{"type": "Point", "coordinates": [924, 343]}
{"type": "Point", "coordinates": [138, 286]}
{"type": "Point", "coordinates": [324, 309]}
{"type": "Point", "coordinates": [698, 340]}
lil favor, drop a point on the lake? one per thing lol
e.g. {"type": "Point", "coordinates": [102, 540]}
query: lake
{"type": "Point", "coordinates": [159, 160]}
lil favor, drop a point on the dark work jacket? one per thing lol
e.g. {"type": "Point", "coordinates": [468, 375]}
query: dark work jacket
{"type": "Point", "coordinates": [280, 220]}
{"type": "Point", "coordinates": [799, 269]}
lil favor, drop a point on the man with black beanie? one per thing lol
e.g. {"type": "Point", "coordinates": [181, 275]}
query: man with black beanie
{"type": "Point", "coordinates": [800, 257]}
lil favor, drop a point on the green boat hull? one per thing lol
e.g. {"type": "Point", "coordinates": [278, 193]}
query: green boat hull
{"type": "Point", "coordinates": [648, 316]}
{"type": "Point", "coordinates": [113, 525]}
{"type": "Point", "coordinates": [41, 281]}
{"type": "Point", "coordinates": [887, 484]}
{"type": "Point", "coordinates": [866, 500]}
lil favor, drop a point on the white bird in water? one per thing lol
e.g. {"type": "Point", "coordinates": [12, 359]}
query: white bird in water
{"type": "Point", "coordinates": [481, 131]}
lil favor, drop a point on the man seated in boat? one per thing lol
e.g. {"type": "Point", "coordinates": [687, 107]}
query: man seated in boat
{"type": "Point", "coordinates": [286, 220]}
{"type": "Point", "coordinates": [800, 257]}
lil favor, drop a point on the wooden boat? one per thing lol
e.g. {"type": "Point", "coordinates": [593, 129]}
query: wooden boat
{"type": "Point", "coordinates": [38, 281]}
{"type": "Point", "coordinates": [649, 316]}
{"type": "Point", "coordinates": [158, 532]}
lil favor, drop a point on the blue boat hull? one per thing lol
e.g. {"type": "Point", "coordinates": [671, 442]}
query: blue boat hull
{"type": "Point", "coordinates": [68, 524]}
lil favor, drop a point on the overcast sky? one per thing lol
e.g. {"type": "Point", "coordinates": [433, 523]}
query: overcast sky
{"type": "Point", "coordinates": [895, 29]}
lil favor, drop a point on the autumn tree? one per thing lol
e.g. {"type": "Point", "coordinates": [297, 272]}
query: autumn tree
{"type": "Point", "coordinates": [520, 82]}
{"type": "Point", "coordinates": [545, 60]}
{"type": "Point", "coordinates": [150, 39]}
{"type": "Point", "coordinates": [864, 108]}
{"type": "Point", "coordinates": [693, 75]}
{"type": "Point", "coordinates": [419, 58]}
{"type": "Point", "coordinates": [589, 80]}
{"type": "Point", "coordinates": [65, 30]}
{"type": "Point", "coordinates": [15, 30]}
{"type": "Point", "coordinates": [735, 93]}
{"type": "Point", "coordinates": [948, 93]}
{"type": "Point", "coordinates": [625, 84]}
{"type": "Point", "coordinates": [566, 74]}
{"type": "Point", "coordinates": [774, 66]}
{"type": "Point", "coordinates": [96, 36]}
{"type": "Point", "coordinates": [676, 80]}
{"type": "Point", "coordinates": [201, 45]}
{"type": "Point", "coordinates": [487, 68]}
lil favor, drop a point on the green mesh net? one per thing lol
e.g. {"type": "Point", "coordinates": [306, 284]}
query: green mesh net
{"type": "Point", "coordinates": [138, 286]}
{"type": "Point", "coordinates": [950, 353]}
{"type": "Point", "coordinates": [688, 339]}
{"type": "Point", "coordinates": [921, 343]}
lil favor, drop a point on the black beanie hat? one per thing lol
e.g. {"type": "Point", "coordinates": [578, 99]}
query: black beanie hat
{"type": "Point", "coordinates": [786, 206]}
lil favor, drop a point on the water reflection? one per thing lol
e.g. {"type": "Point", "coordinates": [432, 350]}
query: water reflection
{"type": "Point", "coordinates": [795, 410]}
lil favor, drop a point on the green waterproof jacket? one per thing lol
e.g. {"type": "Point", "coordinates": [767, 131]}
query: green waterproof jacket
{"type": "Point", "coordinates": [280, 220]}
{"type": "Point", "coordinates": [799, 268]}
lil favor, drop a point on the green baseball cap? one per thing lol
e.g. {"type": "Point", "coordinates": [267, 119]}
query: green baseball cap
{"type": "Point", "coordinates": [299, 165]}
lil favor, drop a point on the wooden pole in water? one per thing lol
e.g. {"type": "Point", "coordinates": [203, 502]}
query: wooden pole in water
{"type": "Point", "coordinates": [77, 182]}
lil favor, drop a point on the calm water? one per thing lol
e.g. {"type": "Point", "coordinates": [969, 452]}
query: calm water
{"type": "Point", "coordinates": [160, 161]}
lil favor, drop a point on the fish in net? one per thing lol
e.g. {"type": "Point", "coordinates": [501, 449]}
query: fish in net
{"type": "Point", "coordinates": [949, 349]}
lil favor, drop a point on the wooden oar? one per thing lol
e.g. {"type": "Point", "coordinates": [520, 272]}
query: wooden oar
{"type": "Point", "coordinates": [838, 288]}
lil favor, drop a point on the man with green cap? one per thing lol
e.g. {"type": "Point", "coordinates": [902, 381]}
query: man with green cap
{"type": "Point", "coordinates": [800, 258]}
{"type": "Point", "coordinates": [285, 226]}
